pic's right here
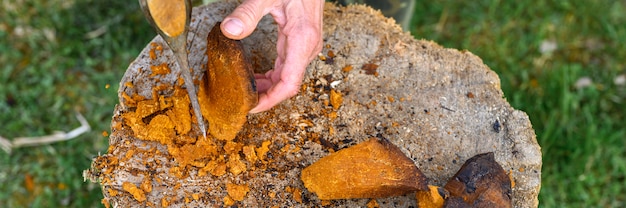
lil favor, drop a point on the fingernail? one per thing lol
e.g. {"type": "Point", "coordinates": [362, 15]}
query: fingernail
{"type": "Point", "coordinates": [234, 27]}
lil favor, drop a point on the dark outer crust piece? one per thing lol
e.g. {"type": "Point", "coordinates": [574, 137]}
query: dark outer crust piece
{"type": "Point", "coordinates": [481, 182]}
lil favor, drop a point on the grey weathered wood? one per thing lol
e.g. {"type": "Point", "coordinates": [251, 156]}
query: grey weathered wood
{"type": "Point", "coordinates": [440, 106]}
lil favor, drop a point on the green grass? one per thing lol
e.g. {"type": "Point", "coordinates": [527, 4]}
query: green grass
{"type": "Point", "coordinates": [50, 69]}
{"type": "Point", "coordinates": [581, 130]}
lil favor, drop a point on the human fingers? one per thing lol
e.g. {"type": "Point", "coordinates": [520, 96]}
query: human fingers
{"type": "Point", "coordinates": [270, 78]}
{"type": "Point", "coordinates": [299, 41]}
{"type": "Point", "coordinates": [284, 81]}
{"type": "Point", "coordinates": [278, 92]}
{"type": "Point", "coordinates": [244, 19]}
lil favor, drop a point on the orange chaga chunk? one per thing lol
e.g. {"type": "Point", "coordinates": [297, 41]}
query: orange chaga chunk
{"type": "Point", "coordinates": [372, 169]}
{"type": "Point", "coordinates": [330, 54]}
{"type": "Point", "coordinates": [250, 154]}
{"type": "Point", "coordinates": [131, 100]}
{"type": "Point", "coordinates": [165, 102]}
{"type": "Point", "coordinates": [195, 196]}
{"type": "Point", "coordinates": [146, 185]}
{"type": "Point", "coordinates": [160, 69]}
{"type": "Point", "coordinates": [373, 204]}
{"type": "Point", "coordinates": [228, 91]}
{"type": "Point", "coordinates": [106, 203]}
{"type": "Point", "coordinates": [178, 171]}
{"type": "Point", "coordinates": [136, 124]}
{"type": "Point", "coordinates": [235, 164]}
{"type": "Point", "coordinates": [232, 147]}
{"type": "Point", "coordinates": [128, 84]}
{"type": "Point", "coordinates": [335, 99]}
{"type": "Point", "coordinates": [180, 113]}
{"type": "Point", "coordinates": [511, 178]}
{"type": "Point", "coordinates": [146, 108]}
{"type": "Point", "coordinates": [155, 47]}
{"type": "Point", "coordinates": [112, 192]}
{"type": "Point", "coordinates": [261, 151]}
{"type": "Point", "coordinates": [431, 198]}
{"type": "Point", "coordinates": [237, 192]}
{"type": "Point", "coordinates": [208, 167]}
{"type": "Point", "coordinates": [185, 139]}
{"type": "Point", "coordinates": [215, 167]}
{"type": "Point", "coordinates": [161, 129]}
{"type": "Point", "coordinates": [137, 193]}
{"type": "Point", "coordinates": [295, 192]}
{"type": "Point", "coordinates": [165, 202]}
{"type": "Point", "coordinates": [188, 154]}
{"type": "Point", "coordinates": [229, 201]}
{"type": "Point", "coordinates": [347, 68]}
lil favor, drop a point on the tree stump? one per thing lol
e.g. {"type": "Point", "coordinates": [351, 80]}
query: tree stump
{"type": "Point", "coordinates": [439, 106]}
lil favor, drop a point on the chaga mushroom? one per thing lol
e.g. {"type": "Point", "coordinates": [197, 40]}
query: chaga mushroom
{"type": "Point", "coordinates": [228, 90]}
{"type": "Point", "coordinates": [434, 197]}
{"type": "Point", "coordinates": [481, 182]}
{"type": "Point", "coordinates": [372, 169]}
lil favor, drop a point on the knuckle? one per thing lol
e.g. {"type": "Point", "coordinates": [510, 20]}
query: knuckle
{"type": "Point", "coordinates": [246, 11]}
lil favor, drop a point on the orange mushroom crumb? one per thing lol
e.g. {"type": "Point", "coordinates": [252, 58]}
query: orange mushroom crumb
{"type": "Point", "coordinates": [112, 192]}
{"type": "Point", "coordinates": [296, 193]}
{"type": "Point", "coordinates": [146, 185]}
{"type": "Point", "coordinates": [188, 154]}
{"type": "Point", "coordinates": [236, 191]}
{"type": "Point", "coordinates": [161, 69]}
{"type": "Point", "coordinates": [511, 178]}
{"type": "Point", "coordinates": [261, 151]}
{"type": "Point", "coordinates": [235, 165]}
{"type": "Point", "coordinates": [137, 193]}
{"type": "Point", "coordinates": [430, 198]}
{"type": "Point", "coordinates": [160, 129]}
{"type": "Point", "coordinates": [335, 99]}
{"type": "Point", "coordinates": [220, 169]}
{"type": "Point", "coordinates": [105, 202]}
{"type": "Point", "coordinates": [229, 201]}
{"type": "Point", "coordinates": [165, 202]}
{"type": "Point", "coordinates": [373, 204]}
{"type": "Point", "coordinates": [155, 47]}
{"type": "Point", "coordinates": [347, 68]}
{"type": "Point", "coordinates": [250, 154]}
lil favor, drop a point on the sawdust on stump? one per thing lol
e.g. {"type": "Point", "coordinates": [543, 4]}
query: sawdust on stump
{"type": "Point", "coordinates": [374, 80]}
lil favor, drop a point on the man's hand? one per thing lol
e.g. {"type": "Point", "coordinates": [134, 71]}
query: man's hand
{"type": "Point", "coordinates": [299, 41]}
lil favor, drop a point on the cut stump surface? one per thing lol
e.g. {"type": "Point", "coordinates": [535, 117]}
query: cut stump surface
{"type": "Point", "coordinates": [439, 106]}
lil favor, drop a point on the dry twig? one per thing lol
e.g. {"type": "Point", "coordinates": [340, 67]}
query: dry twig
{"type": "Point", "coordinates": [57, 136]}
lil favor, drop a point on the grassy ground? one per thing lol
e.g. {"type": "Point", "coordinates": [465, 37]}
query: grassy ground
{"type": "Point", "coordinates": [56, 57]}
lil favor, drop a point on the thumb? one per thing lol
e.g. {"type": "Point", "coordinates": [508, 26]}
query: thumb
{"type": "Point", "coordinates": [243, 20]}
